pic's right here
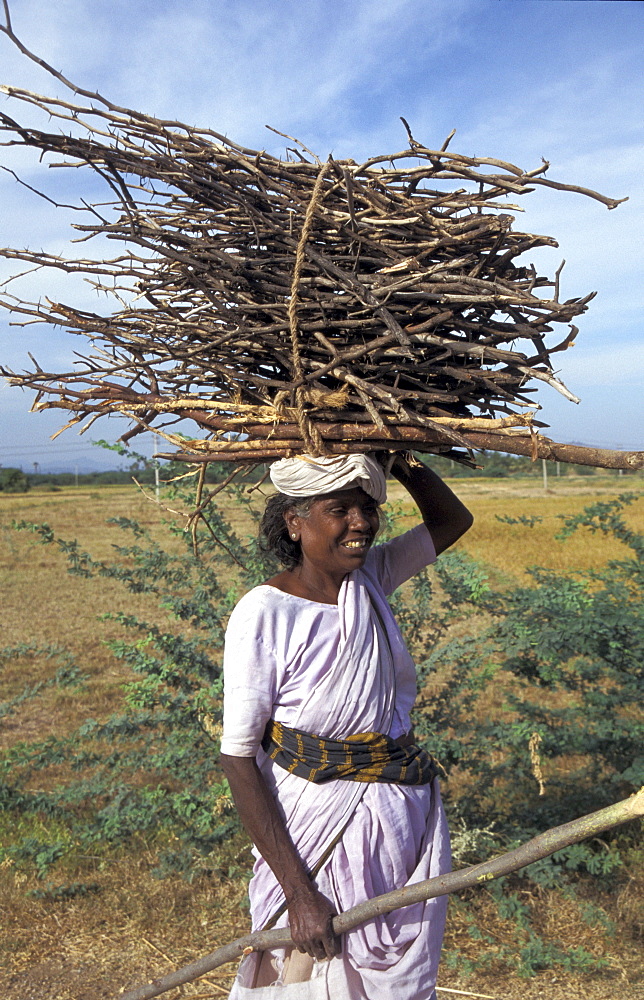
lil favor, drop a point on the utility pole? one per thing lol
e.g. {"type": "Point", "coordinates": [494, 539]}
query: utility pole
{"type": "Point", "coordinates": [157, 489]}
{"type": "Point", "coordinates": [544, 468]}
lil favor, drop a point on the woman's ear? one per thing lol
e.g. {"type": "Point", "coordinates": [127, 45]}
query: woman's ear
{"type": "Point", "coordinates": [292, 520]}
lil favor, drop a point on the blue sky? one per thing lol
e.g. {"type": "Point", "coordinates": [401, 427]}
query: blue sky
{"type": "Point", "coordinates": [518, 79]}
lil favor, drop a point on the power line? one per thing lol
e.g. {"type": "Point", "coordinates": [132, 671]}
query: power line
{"type": "Point", "coordinates": [44, 450]}
{"type": "Point", "coordinates": [50, 450]}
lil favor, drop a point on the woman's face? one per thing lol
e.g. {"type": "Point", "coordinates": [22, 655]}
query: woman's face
{"type": "Point", "coordinates": [336, 535]}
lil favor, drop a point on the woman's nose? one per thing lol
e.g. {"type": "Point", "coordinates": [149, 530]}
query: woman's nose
{"type": "Point", "coordinates": [358, 521]}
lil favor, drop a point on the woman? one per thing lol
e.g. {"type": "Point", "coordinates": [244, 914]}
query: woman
{"type": "Point", "coordinates": [316, 650]}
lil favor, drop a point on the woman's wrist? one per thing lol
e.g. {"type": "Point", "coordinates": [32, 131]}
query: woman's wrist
{"type": "Point", "coordinates": [298, 889]}
{"type": "Point", "coordinates": [406, 467]}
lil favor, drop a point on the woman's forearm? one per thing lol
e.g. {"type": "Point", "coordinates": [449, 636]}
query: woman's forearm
{"type": "Point", "coordinates": [310, 913]}
{"type": "Point", "coordinates": [263, 824]}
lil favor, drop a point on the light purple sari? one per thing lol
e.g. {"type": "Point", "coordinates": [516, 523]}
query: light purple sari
{"type": "Point", "coordinates": [333, 671]}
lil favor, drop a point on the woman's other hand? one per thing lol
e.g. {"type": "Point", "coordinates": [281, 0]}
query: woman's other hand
{"type": "Point", "coordinates": [310, 913]}
{"type": "Point", "coordinates": [310, 917]}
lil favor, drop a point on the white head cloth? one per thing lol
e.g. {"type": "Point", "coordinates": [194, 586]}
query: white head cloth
{"type": "Point", "coordinates": [306, 476]}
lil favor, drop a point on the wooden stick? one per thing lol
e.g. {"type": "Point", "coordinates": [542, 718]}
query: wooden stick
{"type": "Point", "coordinates": [539, 847]}
{"type": "Point", "coordinates": [540, 447]}
{"type": "Point", "coordinates": [342, 431]}
{"type": "Point", "coordinates": [403, 438]}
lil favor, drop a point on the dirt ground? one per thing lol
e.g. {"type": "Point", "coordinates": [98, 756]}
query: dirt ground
{"type": "Point", "coordinates": [136, 928]}
{"type": "Point", "coordinates": [70, 974]}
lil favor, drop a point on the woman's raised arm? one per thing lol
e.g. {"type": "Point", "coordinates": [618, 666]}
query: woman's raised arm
{"type": "Point", "coordinates": [445, 516]}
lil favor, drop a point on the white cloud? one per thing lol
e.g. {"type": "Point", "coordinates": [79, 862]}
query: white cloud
{"type": "Point", "coordinates": [619, 366]}
{"type": "Point", "coordinates": [236, 67]}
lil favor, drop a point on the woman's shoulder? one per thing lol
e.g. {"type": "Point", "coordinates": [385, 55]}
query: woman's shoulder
{"type": "Point", "coordinates": [276, 623]}
{"type": "Point", "coordinates": [266, 607]}
{"type": "Point", "coordinates": [253, 617]}
{"type": "Point", "coordinates": [416, 540]}
{"type": "Point", "coordinates": [257, 600]}
{"type": "Point", "coordinates": [393, 562]}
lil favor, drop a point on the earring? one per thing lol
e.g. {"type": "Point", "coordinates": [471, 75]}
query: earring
{"type": "Point", "coordinates": [294, 537]}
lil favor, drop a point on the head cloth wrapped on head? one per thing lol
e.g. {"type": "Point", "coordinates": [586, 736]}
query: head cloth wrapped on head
{"type": "Point", "coordinates": [306, 476]}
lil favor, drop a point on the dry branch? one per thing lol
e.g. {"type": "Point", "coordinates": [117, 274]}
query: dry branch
{"type": "Point", "coordinates": [534, 850]}
{"type": "Point", "coordinates": [240, 279]}
{"type": "Point", "coordinates": [542, 447]}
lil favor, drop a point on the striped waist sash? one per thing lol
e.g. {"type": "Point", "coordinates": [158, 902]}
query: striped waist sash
{"type": "Point", "coordinates": [361, 757]}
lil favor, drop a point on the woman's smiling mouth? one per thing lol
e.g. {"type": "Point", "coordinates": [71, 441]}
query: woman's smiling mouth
{"type": "Point", "coordinates": [357, 543]}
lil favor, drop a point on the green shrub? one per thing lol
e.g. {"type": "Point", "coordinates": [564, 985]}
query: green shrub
{"type": "Point", "coordinates": [13, 481]}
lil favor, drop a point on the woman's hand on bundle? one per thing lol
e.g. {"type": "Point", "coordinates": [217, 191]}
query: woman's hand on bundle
{"type": "Point", "coordinates": [310, 916]}
{"type": "Point", "coordinates": [444, 515]}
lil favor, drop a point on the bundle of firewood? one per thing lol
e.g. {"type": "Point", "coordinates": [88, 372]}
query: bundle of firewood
{"type": "Point", "coordinates": [288, 304]}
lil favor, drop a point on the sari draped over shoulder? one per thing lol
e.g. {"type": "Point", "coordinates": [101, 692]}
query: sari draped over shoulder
{"type": "Point", "coordinates": [334, 671]}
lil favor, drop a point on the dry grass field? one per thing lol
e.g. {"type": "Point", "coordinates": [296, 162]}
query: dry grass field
{"type": "Point", "coordinates": [135, 927]}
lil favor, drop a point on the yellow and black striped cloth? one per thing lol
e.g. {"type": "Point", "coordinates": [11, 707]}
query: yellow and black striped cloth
{"type": "Point", "coordinates": [362, 757]}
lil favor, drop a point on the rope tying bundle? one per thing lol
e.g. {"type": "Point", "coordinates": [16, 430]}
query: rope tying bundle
{"type": "Point", "coordinates": [311, 435]}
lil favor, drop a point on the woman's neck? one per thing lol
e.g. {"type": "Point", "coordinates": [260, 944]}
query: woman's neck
{"type": "Point", "coordinates": [309, 582]}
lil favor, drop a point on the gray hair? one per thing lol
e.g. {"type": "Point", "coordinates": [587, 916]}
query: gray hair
{"type": "Point", "coordinates": [274, 536]}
